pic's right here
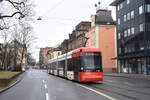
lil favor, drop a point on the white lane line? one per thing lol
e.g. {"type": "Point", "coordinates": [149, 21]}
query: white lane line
{"type": "Point", "coordinates": [47, 96]}
{"type": "Point", "coordinates": [100, 93]}
{"type": "Point", "coordinates": [45, 86]}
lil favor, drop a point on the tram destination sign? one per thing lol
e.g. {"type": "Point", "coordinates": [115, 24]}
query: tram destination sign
{"type": "Point", "coordinates": [91, 53]}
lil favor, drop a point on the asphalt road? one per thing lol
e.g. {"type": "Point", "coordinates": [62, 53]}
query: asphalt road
{"type": "Point", "coordinates": [38, 85]}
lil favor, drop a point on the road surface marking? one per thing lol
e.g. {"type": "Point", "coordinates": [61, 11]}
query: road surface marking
{"type": "Point", "coordinates": [47, 96]}
{"type": "Point", "coordinates": [43, 81]}
{"type": "Point", "coordinates": [100, 93]}
{"type": "Point", "coordinates": [45, 86]}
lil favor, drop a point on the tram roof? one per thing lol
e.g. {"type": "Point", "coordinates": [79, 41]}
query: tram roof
{"type": "Point", "coordinates": [69, 54]}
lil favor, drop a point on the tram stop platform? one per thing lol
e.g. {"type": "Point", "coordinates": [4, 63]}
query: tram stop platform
{"type": "Point", "coordinates": [126, 75]}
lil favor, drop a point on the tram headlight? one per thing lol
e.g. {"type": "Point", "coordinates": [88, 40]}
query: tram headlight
{"type": "Point", "coordinates": [81, 68]}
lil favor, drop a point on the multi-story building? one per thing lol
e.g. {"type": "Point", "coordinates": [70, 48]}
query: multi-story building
{"type": "Point", "coordinates": [77, 38]}
{"type": "Point", "coordinates": [54, 52]}
{"type": "Point", "coordinates": [43, 57]}
{"type": "Point", "coordinates": [133, 36]}
{"type": "Point", "coordinates": [64, 46]}
{"type": "Point", "coordinates": [13, 56]}
{"type": "Point", "coordinates": [102, 35]}
{"type": "Point", "coordinates": [16, 55]}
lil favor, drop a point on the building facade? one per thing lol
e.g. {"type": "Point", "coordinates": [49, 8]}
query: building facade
{"type": "Point", "coordinates": [54, 52]}
{"type": "Point", "coordinates": [77, 38]}
{"type": "Point", "coordinates": [133, 36]}
{"type": "Point", "coordinates": [16, 55]}
{"type": "Point", "coordinates": [43, 57]}
{"type": "Point", "coordinates": [102, 35]}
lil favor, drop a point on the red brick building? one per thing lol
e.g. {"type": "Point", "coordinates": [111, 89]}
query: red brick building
{"type": "Point", "coordinates": [42, 57]}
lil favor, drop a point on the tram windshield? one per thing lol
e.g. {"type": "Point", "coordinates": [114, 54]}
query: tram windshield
{"type": "Point", "coordinates": [92, 60]}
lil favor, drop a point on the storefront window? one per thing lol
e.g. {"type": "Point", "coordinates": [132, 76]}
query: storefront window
{"type": "Point", "coordinates": [148, 65]}
{"type": "Point", "coordinates": [125, 67]}
{"type": "Point", "coordinates": [119, 65]}
{"type": "Point", "coordinates": [129, 66]}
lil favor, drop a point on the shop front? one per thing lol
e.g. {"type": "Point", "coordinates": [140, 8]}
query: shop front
{"type": "Point", "coordinates": [134, 66]}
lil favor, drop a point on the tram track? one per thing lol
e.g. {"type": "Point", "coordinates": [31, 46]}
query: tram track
{"type": "Point", "coordinates": [135, 91]}
{"type": "Point", "coordinates": [114, 92]}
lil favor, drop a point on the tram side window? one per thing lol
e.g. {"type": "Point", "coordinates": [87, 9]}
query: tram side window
{"type": "Point", "coordinates": [55, 65]}
{"type": "Point", "coordinates": [70, 65]}
{"type": "Point", "coordinates": [62, 64]}
{"type": "Point", "coordinates": [59, 64]}
{"type": "Point", "coordinates": [76, 64]}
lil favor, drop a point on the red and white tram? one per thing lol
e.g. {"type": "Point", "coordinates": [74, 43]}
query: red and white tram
{"type": "Point", "coordinates": [82, 65]}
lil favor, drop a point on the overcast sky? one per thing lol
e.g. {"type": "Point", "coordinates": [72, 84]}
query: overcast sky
{"type": "Point", "coordinates": [59, 18]}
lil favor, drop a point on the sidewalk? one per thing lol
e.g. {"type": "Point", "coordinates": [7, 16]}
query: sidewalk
{"type": "Point", "coordinates": [137, 76]}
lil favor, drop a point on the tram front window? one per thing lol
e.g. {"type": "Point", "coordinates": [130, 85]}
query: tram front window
{"type": "Point", "coordinates": [91, 60]}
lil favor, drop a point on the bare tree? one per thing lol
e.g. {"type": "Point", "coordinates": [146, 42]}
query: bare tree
{"type": "Point", "coordinates": [17, 6]}
{"type": "Point", "coordinates": [16, 24]}
{"type": "Point", "coordinates": [26, 39]}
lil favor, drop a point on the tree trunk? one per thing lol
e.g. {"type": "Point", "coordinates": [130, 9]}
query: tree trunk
{"type": "Point", "coordinates": [22, 55]}
{"type": "Point", "coordinates": [15, 58]}
{"type": "Point", "coordinates": [5, 58]}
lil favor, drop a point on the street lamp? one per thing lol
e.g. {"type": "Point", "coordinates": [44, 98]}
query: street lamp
{"type": "Point", "coordinates": [39, 18]}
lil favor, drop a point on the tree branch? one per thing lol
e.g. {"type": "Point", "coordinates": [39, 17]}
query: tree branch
{"type": "Point", "coordinates": [7, 16]}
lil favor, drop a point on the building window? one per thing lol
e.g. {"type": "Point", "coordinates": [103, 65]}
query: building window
{"type": "Point", "coordinates": [129, 32]}
{"type": "Point", "coordinates": [119, 35]}
{"type": "Point", "coordinates": [118, 7]}
{"type": "Point", "coordinates": [119, 51]}
{"type": "Point", "coordinates": [121, 5]}
{"type": "Point", "coordinates": [118, 21]}
{"type": "Point", "coordinates": [132, 14]}
{"type": "Point", "coordinates": [141, 45]}
{"type": "Point", "coordinates": [132, 30]}
{"type": "Point", "coordinates": [125, 33]}
{"type": "Point", "coordinates": [125, 18]}
{"type": "Point", "coordinates": [141, 27]}
{"type": "Point", "coordinates": [148, 8]}
{"type": "Point", "coordinates": [126, 50]}
{"type": "Point", "coordinates": [128, 16]}
{"type": "Point", "coordinates": [128, 1]}
{"type": "Point", "coordinates": [129, 49]}
{"type": "Point", "coordinates": [141, 10]}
